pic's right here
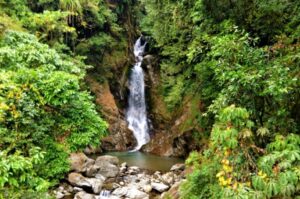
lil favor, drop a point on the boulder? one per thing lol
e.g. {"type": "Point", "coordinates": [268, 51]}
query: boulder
{"type": "Point", "coordinates": [105, 166]}
{"type": "Point", "coordinates": [160, 187]}
{"type": "Point", "coordinates": [80, 162]}
{"type": "Point", "coordinates": [178, 167]}
{"type": "Point", "coordinates": [92, 150]}
{"type": "Point", "coordinates": [130, 192]}
{"type": "Point", "coordinates": [59, 195]}
{"type": "Point", "coordinates": [120, 192]}
{"type": "Point", "coordinates": [78, 180]}
{"type": "Point", "coordinates": [134, 193]}
{"type": "Point", "coordinates": [147, 188]}
{"type": "Point", "coordinates": [84, 195]}
{"type": "Point", "coordinates": [168, 178]}
{"type": "Point", "coordinates": [107, 158]}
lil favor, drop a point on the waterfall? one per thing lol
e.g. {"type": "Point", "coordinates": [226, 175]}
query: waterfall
{"type": "Point", "coordinates": [136, 114]}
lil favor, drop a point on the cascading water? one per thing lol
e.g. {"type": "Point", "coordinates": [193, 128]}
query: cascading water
{"type": "Point", "coordinates": [104, 194]}
{"type": "Point", "coordinates": [136, 115]}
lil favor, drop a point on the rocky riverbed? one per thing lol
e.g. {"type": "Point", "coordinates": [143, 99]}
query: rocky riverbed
{"type": "Point", "coordinates": [107, 178]}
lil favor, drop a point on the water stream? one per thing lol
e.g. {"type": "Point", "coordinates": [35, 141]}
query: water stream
{"type": "Point", "coordinates": [147, 161]}
{"type": "Point", "coordinates": [136, 114]}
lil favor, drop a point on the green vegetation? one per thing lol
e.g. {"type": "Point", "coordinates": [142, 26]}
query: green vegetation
{"type": "Point", "coordinates": [45, 113]}
{"type": "Point", "coordinates": [241, 60]}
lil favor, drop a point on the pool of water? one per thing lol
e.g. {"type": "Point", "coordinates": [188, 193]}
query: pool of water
{"type": "Point", "coordinates": [146, 161]}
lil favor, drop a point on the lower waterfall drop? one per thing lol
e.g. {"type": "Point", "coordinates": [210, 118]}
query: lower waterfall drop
{"type": "Point", "coordinates": [136, 114]}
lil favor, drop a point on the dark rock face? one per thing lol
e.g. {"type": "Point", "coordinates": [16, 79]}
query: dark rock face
{"type": "Point", "coordinates": [171, 136]}
{"type": "Point", "coordinates": [120, 138]}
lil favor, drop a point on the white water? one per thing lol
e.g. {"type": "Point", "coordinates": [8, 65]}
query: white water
{"type": "Point", "coordinates": [104, 194]}
{"type": "Point", "coordinates": [136, 115]}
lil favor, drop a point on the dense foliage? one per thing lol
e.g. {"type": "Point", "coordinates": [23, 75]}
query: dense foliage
{"type": "Point", "coordinates": [240, 59]}
{"type": "Point", "coordinates": [43, 113]}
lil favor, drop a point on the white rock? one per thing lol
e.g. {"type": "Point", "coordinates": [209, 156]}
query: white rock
{"type": "Point", "coordinates": [134, 193]}
{"type": "Point", "coordinates": [130, 192]}
{"type": "Point", "coordinates": [59, 195]}
{"type": "Point", "coordinates": [168, 178]}
{"type": "Point", "coordinates": [78, 180]}
{"type": "Point", "coordinates": [124, 164]}
{"type": "Point", "coordinates": [178, 167]}
{"type": "Point", "coordinates": [147, 188]}
{"type": "Point", "coordinates": [160, 187]}
{"type": "Point", "coordinates": [122, 191]}
{"type": "Point", "coordinates": [84, 195]}
{"type": "Point", "coordinates": [77, 189]}
{"type": "Point", "coordinates": [105, 166]}
{"type": "Point", "coordinates": [107, 158]}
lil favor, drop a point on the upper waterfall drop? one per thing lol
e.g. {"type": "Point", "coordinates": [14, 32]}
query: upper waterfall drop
{"type": "Point", "coordinates": [136, 114]}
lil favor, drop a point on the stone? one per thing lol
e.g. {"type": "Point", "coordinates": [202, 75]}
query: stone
{"type": "Point", "coordinates": [59, 195]}
{"type": "Point", "coordinates": [92, 150]}
{"type": "Point", "coordinates": [84, 195]}
{"type": "Point", "coordinates": [120, 192]}
{"type": "Point", "coordinates": [160, 187]}
{"type": "Point", "coordinates": [168, 178]}
{"type": "Point", "coordinates": [133, 170]}
{"type": "Point", "coordinates": [178, 167]}
{"type": "Point", "coordinates": [80, 162]}
{"type": "Point", "coordinates": [104, 169]}
{"type": "Point", "coordinates": [134, 193]}
{"type": "Point", "coordinates": [77, 189]}
{"type": "Point", "coordinates": [78, 180]}
{"type": "Point", "coordinates": [147, 188]}
{"type": "Point", "coordinates": [107, 158]}
{"type": "Point", "coordinates": [130, 192]}
{"type": "Point", "coordinates": [105, 166]}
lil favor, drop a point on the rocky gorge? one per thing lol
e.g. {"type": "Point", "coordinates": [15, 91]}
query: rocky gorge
{"type": "Point", "coordinates": [105, 177]}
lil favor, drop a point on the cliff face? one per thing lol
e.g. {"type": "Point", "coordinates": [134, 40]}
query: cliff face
{"type": "Point", "coordinates": [171, 132]}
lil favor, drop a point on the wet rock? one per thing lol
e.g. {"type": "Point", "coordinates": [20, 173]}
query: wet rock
{"type": "Point", "coordinates": [78, 180]}
{"type": "Point", "coordinates": [92, 150]}
{"type": "Point", "coordinates": [59, 195]}
{"type": "Point", "coordinates": [178, 167]}
{"type": "Point", "coordinates": [84, 195]}
{"type": "Point", "coordinates": [77, 189]}
{"type": "Point", "coordinates": [130, 192]}
{"type": "Point", "coordinates": [123, 168]}
{"type": "Point", "coordinates": [160, 187]}
{"type": "Point", "coordinates": [80, 162]}
{"type": "Point", "coordinates": [120, 137]}
{"type": "Point", "coordinates": [147, 188]}
{"type": "Point", "coordinates": [107, 158]}
{"type": "Point", "coordinates": [120, 192]}
{"type": "Point", "coordinates": [105, 166]}
{"type": "Point", "coordinates": [168, 178]}
{"type": "Point", "coordinates": [133, 170]}
{"type": "Point", "coordinates": [134, 193]}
